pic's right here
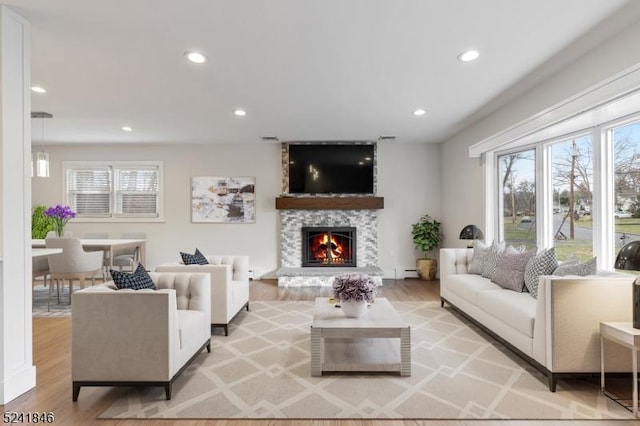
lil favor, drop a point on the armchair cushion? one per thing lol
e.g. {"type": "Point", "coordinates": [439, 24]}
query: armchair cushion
{"type": "Point", "coordinates": [194, 259]}
{"type": "Point", "coordinates": [139, 280]}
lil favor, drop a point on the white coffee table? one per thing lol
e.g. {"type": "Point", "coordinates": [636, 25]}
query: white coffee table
{"type": "Point", "coordinates": [379, 341]}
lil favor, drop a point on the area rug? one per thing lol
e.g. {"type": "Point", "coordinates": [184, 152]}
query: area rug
{"type": "Point", "coordinates": [262, 370]}
{"type": "Point", "coordinates": [40, 295]}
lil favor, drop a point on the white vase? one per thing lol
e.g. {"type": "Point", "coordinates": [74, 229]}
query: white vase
{"type": "Point", "coordinates": [354, 309]}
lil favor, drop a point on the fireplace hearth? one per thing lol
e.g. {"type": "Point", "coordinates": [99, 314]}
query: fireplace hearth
{"type": "Point", "coordinates": [329, 246]}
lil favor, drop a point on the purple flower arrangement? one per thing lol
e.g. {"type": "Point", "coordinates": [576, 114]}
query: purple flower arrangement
{"type": "Point", "coordinates": [60, 215]}
{"type": "Point", "coordinates": [354, 288]}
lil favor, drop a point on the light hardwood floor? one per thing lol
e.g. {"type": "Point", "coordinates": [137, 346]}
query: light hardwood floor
{"type": "Point", "coordinates": [52, 357]}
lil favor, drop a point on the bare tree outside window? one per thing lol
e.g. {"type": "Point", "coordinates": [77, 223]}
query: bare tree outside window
{"type": "Point", "coordinates": [572, 172]}
{"type": "Point", "coordinates": [626, 149]}
{"type": "Point", "coordinates": [518, 187]}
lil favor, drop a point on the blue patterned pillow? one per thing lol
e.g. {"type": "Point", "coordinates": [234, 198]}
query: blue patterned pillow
{"type": "Point", "coordinates": [194, 259]}
{"type": "Point", "coordinates": [137, 281]}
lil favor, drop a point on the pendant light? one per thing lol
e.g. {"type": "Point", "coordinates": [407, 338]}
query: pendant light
{"type": "Point", "coordinates": [40, 159]}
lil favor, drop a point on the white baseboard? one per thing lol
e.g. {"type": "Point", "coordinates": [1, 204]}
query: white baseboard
{"type": "Point", "coordinates": [410, 273]}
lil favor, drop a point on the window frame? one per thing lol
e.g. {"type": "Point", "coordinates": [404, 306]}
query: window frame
{"type": "Point", "coordinates": [113, 166]}
{"type": "Point", "coordinates": [603, 186]}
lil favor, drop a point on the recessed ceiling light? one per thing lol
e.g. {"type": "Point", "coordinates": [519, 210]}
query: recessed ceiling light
{"type": "Point", "coordinates": [469, 55]}
{"type": "Point", "coordinates": [240, 112]}
{"type": "Point", "coordinates": [127, 128]}
{"type": "Point", "coordinates": [367, 158]}
{"type": "Point", "coordinates": [38, 89]}
{"type": "Point", "coordinates": [419, 112]}
{"type": "Point", "coordinates": [196, 57]}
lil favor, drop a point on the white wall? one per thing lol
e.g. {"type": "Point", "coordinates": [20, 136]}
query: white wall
{"type": "Point", "coordinates": [408, 178]}
{"type": "Point", "coordinates": [462, 178]}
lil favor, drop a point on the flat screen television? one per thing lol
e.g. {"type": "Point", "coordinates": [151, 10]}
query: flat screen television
{"type": "Point", "coordinates": [331, 168]}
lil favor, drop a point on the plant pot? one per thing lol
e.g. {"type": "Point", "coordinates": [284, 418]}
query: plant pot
{"type": "Point", "coordinates": [427, 269]}
{"type": "Point", "coordinates": [353, 309]}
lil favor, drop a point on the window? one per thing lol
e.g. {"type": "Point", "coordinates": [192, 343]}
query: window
{"type": "Point", "coordinates": [626, 182]}
{"type": "Point", "coordinates": [518, 197]}
{"type": "Point", "coordinates": [116, 191]}
{"type": "Point", "coordinates": [572, 188]}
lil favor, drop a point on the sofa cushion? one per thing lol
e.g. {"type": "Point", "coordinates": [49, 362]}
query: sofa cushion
{"type": "Point", "coordinates": [194, 259]}
{"type": "Point", "coordinates": [492, 259]}
{"type": "Point", "coordinates": [479, 259]}
{"type": "Point", "coordinates": [544, 263]}
{"type": "Point", "coordinates": [138, 280]}
{"type": "Point", "coordinates": [189, 328]}
{"type": "Point", "coordinates": [580, 269]}
{"type": "Point", "coordinates": [510, 270]}
{"type": "Point", "coordinates": [516, 309]}
{"type": "Point", "coordinates": [467, 286]}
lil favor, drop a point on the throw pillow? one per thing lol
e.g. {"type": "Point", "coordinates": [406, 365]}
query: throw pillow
{"type": "Point", "coordinates": [581, 269]}
{"type": "Point", "coordinates": [543, 263]}
{"type": "Point", "coordinates": [479, 259]}
{"type": "Point", "coordinates": [194, 259]}
{"type": "Point", "coordinates": [510, 269]}
{"type": "Point", "coordinates": [136, 281]}
{"type": "Point", "coordinates": [492, 259]}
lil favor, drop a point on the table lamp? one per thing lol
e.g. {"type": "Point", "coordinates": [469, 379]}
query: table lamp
{"type": "Point", "coordinates": [628, 259]}
{"type": "Point", "coordinates": [471, 232]}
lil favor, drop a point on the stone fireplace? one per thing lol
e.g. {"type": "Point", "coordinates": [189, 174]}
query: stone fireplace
{"type": "Point", "coordinates": [313, 259]}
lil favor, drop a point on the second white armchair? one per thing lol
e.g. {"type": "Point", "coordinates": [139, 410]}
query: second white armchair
{"type": "Point", "coordinates": [229, 285]}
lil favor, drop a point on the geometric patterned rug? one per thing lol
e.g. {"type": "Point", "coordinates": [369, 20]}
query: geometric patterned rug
{"type": "Point", "coordinates": [262, 371]}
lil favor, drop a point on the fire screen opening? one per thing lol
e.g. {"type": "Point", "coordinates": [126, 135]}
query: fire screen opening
{"type": "Point", "coordinates": [335, 246]}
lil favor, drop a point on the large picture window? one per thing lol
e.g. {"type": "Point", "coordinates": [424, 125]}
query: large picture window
{"type": "Point", "coordinates": [116, 191]}
{"type": "Point", "coordinates": [572, 183]}
{"type": "Point", "coordinates": [626, 182]}
{"type": "Point", "coordinates": [518, 197]}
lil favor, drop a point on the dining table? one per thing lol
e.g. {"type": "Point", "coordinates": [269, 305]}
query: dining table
{"type": "Point", "coordinates": [107, 245]}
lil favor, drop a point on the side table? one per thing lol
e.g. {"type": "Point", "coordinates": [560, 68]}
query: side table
{"type": "Point", "coordinates": [623, 334]}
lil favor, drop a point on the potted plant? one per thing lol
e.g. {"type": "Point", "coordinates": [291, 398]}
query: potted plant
{"type": "Point", "coordinates": [354, 291]}
{"type": "Point", "coordinates": [40, 224]}
{"type": "Point", "coordinates": [426, 236]}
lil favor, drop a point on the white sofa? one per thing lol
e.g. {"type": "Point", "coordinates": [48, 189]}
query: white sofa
{"type": "Point", "coordinates": [229, 285]}
{"type": "Point", "coordinates": [558, 332]}
{"type": "Point", "coordinates": [139, 337]}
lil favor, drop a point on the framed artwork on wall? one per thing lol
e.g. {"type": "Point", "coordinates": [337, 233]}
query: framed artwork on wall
{"type": "Point", "coordinates": [223, 199]}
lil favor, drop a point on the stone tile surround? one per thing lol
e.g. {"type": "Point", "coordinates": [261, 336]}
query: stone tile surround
{"type": "Point", "coordinates": [291, 223]}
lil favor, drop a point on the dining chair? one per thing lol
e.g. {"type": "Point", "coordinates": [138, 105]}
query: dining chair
{"type": "Point", "coordinates": [72, 264]}
{"type": "Point", "coordinates": [105, 253]}
{"type": "Point", "coordinates": [39, 268]}
{"type": "Point", "coordinates": [53, 234]}
{"type": "Point", "coordinates": [129, 257]}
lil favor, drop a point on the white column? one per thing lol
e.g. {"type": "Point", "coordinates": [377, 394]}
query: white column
{"type": "Point", "coordinates": [17, 372]}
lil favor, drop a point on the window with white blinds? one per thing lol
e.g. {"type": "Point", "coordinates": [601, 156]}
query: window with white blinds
{"type": "Point", "coordinates": [121, 190]}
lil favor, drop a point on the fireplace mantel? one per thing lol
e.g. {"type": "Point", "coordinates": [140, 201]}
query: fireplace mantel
{"type": "Point", "coordinates": [329, 203]}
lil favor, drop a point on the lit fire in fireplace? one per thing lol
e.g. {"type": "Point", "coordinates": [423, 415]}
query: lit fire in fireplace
{"type": "Point", "coordinates": [327, 249]}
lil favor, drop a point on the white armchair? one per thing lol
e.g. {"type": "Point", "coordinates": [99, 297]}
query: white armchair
{"type": "Point", "coordinates": [229, 285]}
{"type": "Point", "coordinates": [139, 337]}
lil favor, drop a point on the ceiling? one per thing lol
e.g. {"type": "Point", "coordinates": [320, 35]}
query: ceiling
{"type": "Point", "coordinates": [303, 70]}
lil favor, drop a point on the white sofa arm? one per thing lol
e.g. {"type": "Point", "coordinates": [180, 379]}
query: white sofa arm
{"type": "Point", "coordinates": [568, 315]}
{"type": "Point", "coordinates": [112, 339]}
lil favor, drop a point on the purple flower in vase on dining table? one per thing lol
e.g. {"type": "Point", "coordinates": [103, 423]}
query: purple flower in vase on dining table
{"type": "Point", "coordinates": [60, 215]}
